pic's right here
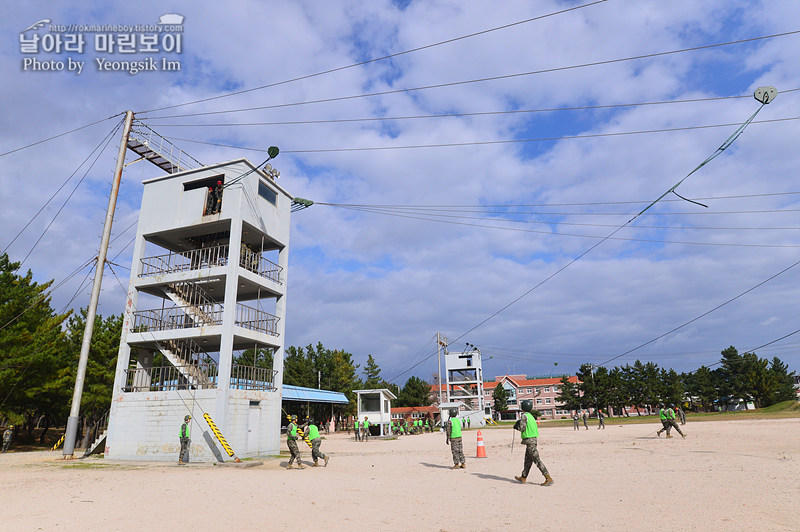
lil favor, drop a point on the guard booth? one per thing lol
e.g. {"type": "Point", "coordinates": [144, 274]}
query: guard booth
{"type": "Point", "coordinates": [203, 329]}
{"type": "Point", "coordinates": [376, 405]}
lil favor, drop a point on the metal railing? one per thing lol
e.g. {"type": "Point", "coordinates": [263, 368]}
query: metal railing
{"type": "Point", "coordinates": [194, 259]}
{"type": "Point", "coordinates": [178, 159]}
{"type": "Point", "coordinates": [168, 378]}
{"type": "Point", "coordinates": [252, 378]}
{"type": "Point", "coordinates": [257, 264]}
{"type": "Point", "coordinates": [174, 318]}
{"type": "Point", "coordinates": [256, 320]}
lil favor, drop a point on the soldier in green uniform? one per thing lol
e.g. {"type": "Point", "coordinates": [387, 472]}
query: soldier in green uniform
{"type": "Point", "coordinates": [366, 429]}
{"type": "Point", "coordinates": [291, 441]}
{"type": "Point", "coordinates": [665, 426]}
{"type": "Point", "coordinates": [530, 432]}
{"type": "Point", "coordinates": [183, 435]}
{"type": "Point", "coordinates": [453, 434]}
{"type": "Point", "coordinates": [357, 428]}
{"type": "Point", "coordinates": [312, 433]}
{"type": "Point", "coordinates": [673, 423]}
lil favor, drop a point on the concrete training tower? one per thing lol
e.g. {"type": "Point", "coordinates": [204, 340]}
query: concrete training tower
{"type": "Point", "coordinates": [464, 372]}
{"type": "Point", "coordinates": [204, 320]}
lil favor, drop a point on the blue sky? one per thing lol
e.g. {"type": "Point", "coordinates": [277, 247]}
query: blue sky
{"type": "Point", "coordinates": [385, 284]}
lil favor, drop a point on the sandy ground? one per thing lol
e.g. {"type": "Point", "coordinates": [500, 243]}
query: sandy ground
{"type": "Point", "coordinates": [726, 475]}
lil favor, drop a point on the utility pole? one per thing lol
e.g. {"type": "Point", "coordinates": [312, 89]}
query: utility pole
{"type": "Point", "coordinates": [72, 421]}
{"type": "Point", "coordinates": [440, 341]}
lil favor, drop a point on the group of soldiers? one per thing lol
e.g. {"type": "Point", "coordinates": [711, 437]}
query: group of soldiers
{"type": "Point", "coordinates": [601, 420]}
{"type": "Point", "coordinates": [214, 199]}
{"type": "Point", "coordinates": [310, 432]}
{"type": "Point", "coordinates": [361, 429]}
{"type": "Point", "coordinates": [417, 426]}
{"type": "Point", "coordinates": [528, 428]}
{"type": "Point", "coordinates": [668, 418]}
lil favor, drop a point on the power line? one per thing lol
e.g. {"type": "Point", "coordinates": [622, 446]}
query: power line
{"type": "Point", "coordinates": [110, 134]}
{"type": "Point", "coordinates": [486, 142]}
{"type": "Point", "coordinates": [602, 238]}
{"type": "Point", "coordinates": [481, 80]}
{"type": "Point", "coordinates": [382, 58]}
{"type": "Point", "coordinates": [59, 135]}
{"type": "Point", "coordinates": [457, 115]}
{"type": "Point", "coordinates": [681, 326]}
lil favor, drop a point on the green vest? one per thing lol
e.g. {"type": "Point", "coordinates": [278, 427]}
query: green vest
{"type": "Point", "coordinates": [366, 423]}
{"type": "Point", "coordinates": [531, 428]}
{"type": "Point", "coordinates": [358, 424]}
{"type": "Point", "coordinates": [455, 428]}
{"type": "Point", "coordinates": [184, 433]}
{"type": "Point", "coordinates": [313, 432]}
{"type": "Point", "coordinates": [671, 414]}
{"type": "Point", "coordinates": [292, 431]}
{"type": "Point", "coordinates": [662, 414]}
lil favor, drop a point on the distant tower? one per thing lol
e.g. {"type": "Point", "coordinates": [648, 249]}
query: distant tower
{"type": "Point", "coordinates": [464, 372]}
{"type": "Point", "coordinates": [204, 319]}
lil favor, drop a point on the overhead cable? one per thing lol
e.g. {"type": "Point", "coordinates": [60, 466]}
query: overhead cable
{"type": "Point", "coordinates": [376, 59]}
{"type": "Point", "coordinates": [485, 79]}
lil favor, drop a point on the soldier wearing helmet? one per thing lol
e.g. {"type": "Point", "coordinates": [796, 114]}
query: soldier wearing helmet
{"type": "Point", "coordinates": [452, 432]}
{"type": "Point", "coordinates": [8, 435]}
{"type": "Point", "coordinates": [183, 436]}
{"type": "Point", "coordinates": [530, 433]}
{"type": "Point", "coordinates": [291, 441]}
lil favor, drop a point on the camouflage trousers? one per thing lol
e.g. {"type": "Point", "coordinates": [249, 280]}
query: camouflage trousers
{"type": "Point", "coordinates": [673, 425]}
{"type": "Point", "coordinates": [457, 448]}
{"type": "Point", "coordinates": [184, 454]}
{"type": "Point", "coordinates": [532, 457]}
{"type": "Point", "coordinates": [294, 451]}
{"type": "Point", "coordinates": [316, 454]}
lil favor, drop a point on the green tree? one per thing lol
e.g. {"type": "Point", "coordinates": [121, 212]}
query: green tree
{"type": "Point", "coordinates": [259, 358]}
{"type": "Point", "coordinates": [568, 394]}
{"type": "Point", "coordinates": [372, 374]}
{"type": "Point", "coordinates": [31, 348]}
{"type": "Point", "coordinates": [784, 382]}
{"type": "Point", "coordinates": [500, 398]}
{"type": "Point", "coordinates": [415, 392]}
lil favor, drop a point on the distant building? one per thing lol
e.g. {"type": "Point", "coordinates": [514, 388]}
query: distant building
{"type": "Point", "coordinates": [543, 392]}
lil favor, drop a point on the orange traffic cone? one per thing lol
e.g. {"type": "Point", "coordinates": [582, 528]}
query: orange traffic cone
{"type": "Point", "coordinates": [481, 448]}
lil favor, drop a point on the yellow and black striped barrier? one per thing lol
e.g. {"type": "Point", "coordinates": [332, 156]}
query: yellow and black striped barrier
{"type": "Point", "coordinates": [220, 438]}
{"type": "Point", "coordinates": [58, 443]}
{"type": "Point", "coordinates": [305, 438]}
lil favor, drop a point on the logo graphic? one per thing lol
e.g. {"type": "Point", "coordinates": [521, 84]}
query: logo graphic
{"type": "Point", "coordinates": [37, 25]}
{"type": "Point", "coordinates": [170, 18]}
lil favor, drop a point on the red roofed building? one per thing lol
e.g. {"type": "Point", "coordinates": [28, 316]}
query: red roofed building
{"type": "Point", "coordinates": [409, 413]}
{"type": "Point", "coordinates": [543, 393]}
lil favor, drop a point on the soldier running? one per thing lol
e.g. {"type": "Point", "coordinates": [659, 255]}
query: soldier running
{"type": "Point", "coordinates": [312, 433]}
{"type": "Point", "coordinates": [453, 434]}
{"type": "Point", "coordinates": [665, 426]}
{"type": "Point", "coordinates": [291, 441]}
{"type": "Point", "coordinates": [530, 432]}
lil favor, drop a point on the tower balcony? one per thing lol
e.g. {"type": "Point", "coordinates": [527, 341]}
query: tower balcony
{"type": "Point", "coordinates": [211, 257]}
{"type": "Point", "coordinates": [206, 315]}
{"type": "Point", "coordinates": [169, 378]}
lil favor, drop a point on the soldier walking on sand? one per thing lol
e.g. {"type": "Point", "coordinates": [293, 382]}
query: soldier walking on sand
{"type": "Point", "coordinates": [586, 419]}
{"type": "Point", "coordinates": [183, 435]}
{"type": "Point", "coordinates": [291, 441]}
{"type": "Point", "coordinates": [673, 423]}
{"type": "Point", "coordinates": [530, 433]}
{"type": "Point", "coordinates": [601, 420]}
{"type": "Point", "coordinates": [681, 414]}
{"type": "Point", "coordinates": [665, 426]}
{"type": "Point", "coordinates": [453, 435]}
{"type": "Point", "coordinates": [357, 428]}
{"type": "Point", "coordinates": [575, 422]}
